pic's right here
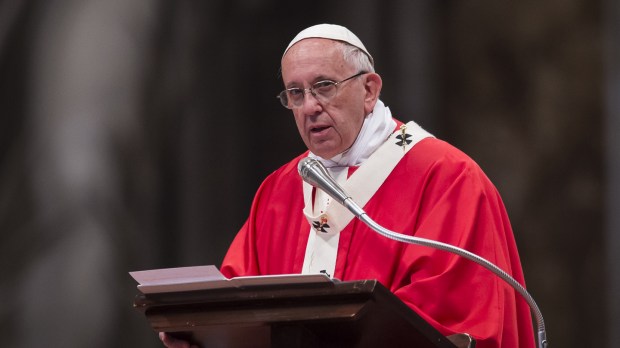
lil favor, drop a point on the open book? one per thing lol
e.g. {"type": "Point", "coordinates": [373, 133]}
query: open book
{"type": "Point", "coordinates": [209, 277]}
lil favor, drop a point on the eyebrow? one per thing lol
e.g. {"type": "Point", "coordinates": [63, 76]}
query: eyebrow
{"type": "Point", "coordinates": [319, 78]}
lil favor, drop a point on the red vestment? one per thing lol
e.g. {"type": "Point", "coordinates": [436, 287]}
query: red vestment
{"type": "Point", "coordinates": [435, 192]}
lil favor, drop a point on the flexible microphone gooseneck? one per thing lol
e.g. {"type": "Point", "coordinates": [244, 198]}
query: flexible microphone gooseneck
{"type": "Point", "coordinates": [314, 173]}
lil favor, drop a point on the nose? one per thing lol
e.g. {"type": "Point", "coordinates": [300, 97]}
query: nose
{"type": "Point", "coordinates": [311, 105]}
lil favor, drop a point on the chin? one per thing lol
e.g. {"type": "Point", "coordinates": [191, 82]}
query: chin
{"type": "Point", "coordinates": [325, 151]}
{"type": "Point", "coordinates": [325, 155]}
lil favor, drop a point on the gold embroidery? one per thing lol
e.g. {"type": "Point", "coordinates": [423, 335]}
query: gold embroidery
{"type": "Point", "coordinates": [323, 222]}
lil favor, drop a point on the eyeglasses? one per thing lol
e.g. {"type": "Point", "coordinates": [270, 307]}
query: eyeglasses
{"type": "Point", "coordinates": [323, 91]}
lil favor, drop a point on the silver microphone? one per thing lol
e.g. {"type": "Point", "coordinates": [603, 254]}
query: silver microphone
{"type": "Point", "coordinates": [314, 173]}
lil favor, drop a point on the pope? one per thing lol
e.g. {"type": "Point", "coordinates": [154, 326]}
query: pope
{"type": "Point", "coordinates": [405, 179]}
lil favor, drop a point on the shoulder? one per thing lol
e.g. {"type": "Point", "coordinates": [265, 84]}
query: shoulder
{"type": "Point", "coordinates": [288, 170]}
{"type": "Point", "coordinates": [437, 159]}
{"type": "Point", "coordinates": [433, 151]}
{"type": "Point", "coordinates": [284, 177]}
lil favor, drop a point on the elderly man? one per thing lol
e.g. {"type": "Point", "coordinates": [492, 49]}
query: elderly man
{"type": "Point", "coordinates": [406, 180]}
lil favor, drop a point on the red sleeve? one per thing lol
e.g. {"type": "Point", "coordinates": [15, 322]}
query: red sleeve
{"type": "Point", "coordinates": [461, 207]}
{"type": "Point", "coordinates": [242, 256]}
{"type": "Point", "coordinates": [273, 239]}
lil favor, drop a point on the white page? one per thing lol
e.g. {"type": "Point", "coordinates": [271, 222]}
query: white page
{"type": "Point", "coordinates": [209, 277]}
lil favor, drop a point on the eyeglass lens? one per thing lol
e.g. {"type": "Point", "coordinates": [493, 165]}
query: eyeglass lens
{"type": "Point", "coordinates": [322, 90]}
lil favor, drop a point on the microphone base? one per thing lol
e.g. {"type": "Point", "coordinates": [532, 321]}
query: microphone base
{"type": "Point", "coordinates": [462, 340]}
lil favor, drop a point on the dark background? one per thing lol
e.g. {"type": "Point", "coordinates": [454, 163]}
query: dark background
{"type": "Point", "coordinates": [133, 135]}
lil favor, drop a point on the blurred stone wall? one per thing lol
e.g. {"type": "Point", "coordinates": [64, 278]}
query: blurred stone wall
{"type": "Point", "coordinates": [523, 96]}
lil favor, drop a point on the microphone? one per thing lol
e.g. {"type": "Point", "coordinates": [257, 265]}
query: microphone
{"type": "Point", "coordinates": [314, 173]}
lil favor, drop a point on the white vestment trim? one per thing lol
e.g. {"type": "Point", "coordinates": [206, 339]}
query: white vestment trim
{"type": "Point", "coordinates": [322, 247]}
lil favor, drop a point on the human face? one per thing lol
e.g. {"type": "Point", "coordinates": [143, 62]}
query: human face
{"type": "Point", "coordinates": [329, 128]}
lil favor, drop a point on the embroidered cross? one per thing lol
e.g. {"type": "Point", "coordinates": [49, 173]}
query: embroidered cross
{"type": "Point", "coordinates": [321, 225]}
{"type": "Point", "coordinates": [403, 137]}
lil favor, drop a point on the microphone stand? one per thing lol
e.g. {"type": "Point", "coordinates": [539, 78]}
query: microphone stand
{"type": "Point", "coordinates": [314, 173]}
{"type": "Point", "coordinates": [542, 335]}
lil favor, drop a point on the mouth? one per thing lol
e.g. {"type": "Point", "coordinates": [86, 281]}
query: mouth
{"type": "Point", "coordinates": [318, 129]}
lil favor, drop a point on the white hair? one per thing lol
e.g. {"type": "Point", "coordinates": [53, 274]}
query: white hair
{"type": "Point", "coordinates": [355, 56]}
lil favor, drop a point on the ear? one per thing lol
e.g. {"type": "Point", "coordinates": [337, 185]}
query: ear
{"type": "Point", "coordinates": [372, 88]}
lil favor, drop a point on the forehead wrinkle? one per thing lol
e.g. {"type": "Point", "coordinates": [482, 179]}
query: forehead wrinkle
{"type": "Point", "coordinates": [320, 57]}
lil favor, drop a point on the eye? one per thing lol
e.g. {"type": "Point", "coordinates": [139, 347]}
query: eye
{"type": "Point", "coordinates": [323, 86]}
{"type": "Point", "coordinates": [294, 92]}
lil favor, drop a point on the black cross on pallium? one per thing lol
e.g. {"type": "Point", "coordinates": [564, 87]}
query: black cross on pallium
{"type": "Point", "coordinates": [403, 139]}
{"type": "Point", "coordinates": [320, 226]}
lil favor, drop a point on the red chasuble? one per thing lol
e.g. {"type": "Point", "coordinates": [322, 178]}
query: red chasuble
{"type": "Point", "coordinates": [435, 192]}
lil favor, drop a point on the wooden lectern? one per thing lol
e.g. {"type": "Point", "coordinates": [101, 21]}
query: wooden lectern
{"type": "Point", "coordinates": [317, 314]}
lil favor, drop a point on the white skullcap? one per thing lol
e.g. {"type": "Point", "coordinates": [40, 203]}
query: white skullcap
{"type": "Point", "coordinates": [332, 32]}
